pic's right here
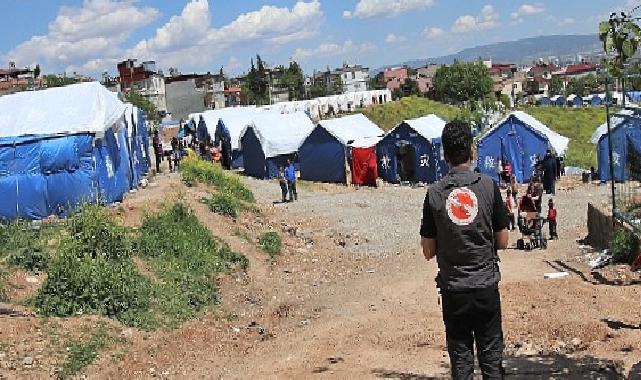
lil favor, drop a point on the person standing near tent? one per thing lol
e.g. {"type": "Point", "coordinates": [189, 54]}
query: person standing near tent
{"type": "Point", "coordinates": [283, 183]}
{"type": "Point", "coordinates": [290, 176]}
{"type": "Point", "coordinates": [201, 131]}
{"type": "Point", "coordinates": [176, 152]}
{"type": "Point", "coordinates": [157, 145]}
{"type": "Point", "coordinates": [464, 224]}
{"type": "Point", "coordinates": [549, 173]}
{"type": "Point", "coordinates": [222, 139]}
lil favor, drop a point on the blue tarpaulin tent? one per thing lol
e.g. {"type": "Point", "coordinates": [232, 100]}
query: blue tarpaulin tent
{"type": "Point", "coordinates": [519, 139]}
{"type": "Point", "coordinates": [575, 101]}
{"type": "Point", "coordinates": [558, 100]}
{"type": "Point", "coordinates": [325, 152]}
{"type": "Point", "coordinates": [626, 132]}
{"type": "Point", "coordinates": [542, 100]}
{"type": "Point", "coordinates": [63, 146]}
{"type": "Point", "coordinates": [594, 100]}
{"type": "Point", "coordinates": [270, 139]}
{"type": "Point", "coordinates": [235, 120]}
{"type": "Point", "coordinates": [412, 152]}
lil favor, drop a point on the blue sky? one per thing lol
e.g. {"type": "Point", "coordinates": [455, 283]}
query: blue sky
{"type": "Point", "coordinates": [90, 36]}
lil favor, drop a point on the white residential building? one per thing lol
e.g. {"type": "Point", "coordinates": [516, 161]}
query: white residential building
{"type": "Point", "coordinates": [355, 78]}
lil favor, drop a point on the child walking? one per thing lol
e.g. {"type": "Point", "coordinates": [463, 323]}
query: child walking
{"type": "Point", "coordinates": [283, 183]}
{"type": "Point", "coordinates": [509, 206]}
{"type": "Point", "coordinates": [552, 220]}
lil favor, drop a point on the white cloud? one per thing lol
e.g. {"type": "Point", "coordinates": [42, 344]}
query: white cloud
{"type": "Point", "coordinates": [394, 39]}
{"type": "Point", "coordinates": [85, 34]}
{"type": "Point", "coordinates": [190, 35]}
{"type": "Point", "coordinates": [389, 8]}
{"type": "Point", "coordinates": [433, 33]}
{"type": "Point", "coordinates": [333, 49]}
{"type": "Point", "coordinates": [526, 10]}
{"type": "Point", "coordinates": [488, 19]}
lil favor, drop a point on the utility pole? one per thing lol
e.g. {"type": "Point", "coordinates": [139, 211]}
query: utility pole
{"type": "Point", "coordinates": [610, 149]}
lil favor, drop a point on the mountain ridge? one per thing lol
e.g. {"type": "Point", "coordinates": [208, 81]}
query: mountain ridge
{"type": "Point", "coordinates": [522, 51]}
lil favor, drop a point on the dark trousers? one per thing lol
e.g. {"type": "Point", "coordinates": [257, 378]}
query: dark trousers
{"type": "Point", "coordinates": [283, 190]}
{"type": "Point", "coordinates": [158, 161]}
{"type": "Point", "coordinates": [553, 233]}
{"type": "Point", "coordinates": [293, 195]}
{"type": "Point", "coordinates": [511, 218]}
{"type": "Point", "coordinates": [474, 316]}
{"type": "Point", "coordinates": [226, 156]}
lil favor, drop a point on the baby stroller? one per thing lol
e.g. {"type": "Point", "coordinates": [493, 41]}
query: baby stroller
{"type": "Point", "coordinates": [531, 228]}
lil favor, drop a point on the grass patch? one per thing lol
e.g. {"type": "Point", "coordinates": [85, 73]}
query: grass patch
{"type": "Point", "coordinates": [243, 235]}
{"type": "Point", "coordinates": [28, 246]}
{"type": "Point", "coordinates": [83, 352]}
{"type": "Point", "coordinates": [387, 116]}
{"type": "Point", "coordinates": [93, 272]}
{"type": "Point", "coordinates": [195, 170]}
{"type": "Point", "coordinates": [271, 243]}
{"type": "Point", "coordinates": [187, 257]}
{"type": "Point", "coordinates": [578, 124]}
{"type": "Point", "coordinates": [224, 204]}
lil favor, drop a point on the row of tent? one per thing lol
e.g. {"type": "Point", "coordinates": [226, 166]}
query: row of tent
{"type": "Point", "coordinates": [64, 146]}
{"type": "Point", "coordinates": [333, 105]}
{"type": "Point", "coordinates": [335, 149]}
{"type": "Point", "coordinates": [589, 100]}
{"type": "Point", "coordinates": [347, 149]}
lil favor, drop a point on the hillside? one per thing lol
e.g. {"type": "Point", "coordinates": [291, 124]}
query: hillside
{"type": "Point", "coordinates": [577, 124]}
{"type": "Point", "coordinates": [523, 51]}
{"type": "Point", "coordinates": [387, 116]}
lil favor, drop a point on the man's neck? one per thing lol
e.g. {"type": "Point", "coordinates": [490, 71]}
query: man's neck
{"type": "Point", "coordinates": [465, 166]}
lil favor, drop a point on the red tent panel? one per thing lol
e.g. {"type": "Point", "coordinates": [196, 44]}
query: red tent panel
{"type": "Point", "coordinates": [364, 166]}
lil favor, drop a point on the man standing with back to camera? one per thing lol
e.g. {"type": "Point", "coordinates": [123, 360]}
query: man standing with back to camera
{"type": "Point", "coordinates": [464, 224]}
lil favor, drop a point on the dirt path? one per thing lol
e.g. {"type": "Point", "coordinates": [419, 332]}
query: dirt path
{"type": "Point", "coordinates": [352, 297]}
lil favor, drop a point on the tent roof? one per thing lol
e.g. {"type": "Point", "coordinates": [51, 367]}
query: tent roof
{"type": "Point", "coordinates": [558, 142]}
{"type": "Point", "coordinates": [557, 97]}
{"type": "Point", "coordinates": [280, 133]}
{"type": "Point", "coordinates": [354, 130]}
{"type": "Point", "coordinates": [85, 107]}
{"type": "Point", "coordinates": [235, 119]}
{"type": "Point", "coordinates": [572, 97]}
{"type": "Point", "coordinates": [430, 126]}
{"type": "Point", "coordinates": [615, 121]}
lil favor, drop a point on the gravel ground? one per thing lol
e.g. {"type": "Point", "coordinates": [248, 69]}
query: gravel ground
{"type": "Point", "coordinates": [386, 220]}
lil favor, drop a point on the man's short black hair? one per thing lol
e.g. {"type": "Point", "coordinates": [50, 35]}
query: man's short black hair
{"type": "Point", "coordinates": [457, 142]}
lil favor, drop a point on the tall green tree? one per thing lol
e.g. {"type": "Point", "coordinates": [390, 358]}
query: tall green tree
{"type": "Point", "coordinates": [576, 86]}
{"type": "Point", "coordinates": [556, 86]}
{"type": "Point", "coordinates": [57, 81]}
{"type": "Point", "coordinates": [463, 82]}
{"type": "Point", "coordinates": [147, 107]}
{"type": "Point", "coordinates": [36, 71]}
{"type": "Point", "coordinates": [620, 36]}
{"type": "Point", "coordinates": [295, 81]}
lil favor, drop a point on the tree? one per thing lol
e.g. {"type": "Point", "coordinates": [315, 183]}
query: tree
{"type": "Point", "coordinates": [36, 71]}
{"type": "Point", "coordinates": [58, 81]}
{"type": "Point", "coordinates": [255, 85]}
{"type": "Point", "coordinates": [556, 86]}
{"type": "Point", "coordinates": [147, 107]}
{"type": "Point", "coordinates": [318, 89]}
{"type": "Point", "coordinates": [294, 79]}
{"type": "Point", "coordinates": [532, 87]}
{"type": "Point", "coordinates": [576, 86]}
{"type": "Point", "coordinates": [338, 86]}
{"type": "Point", "coordinates": [374, 84]}
{"type": "Point", "coordinates": [463, 82]}
{"type": "Point", "coordinates": [620, 37]}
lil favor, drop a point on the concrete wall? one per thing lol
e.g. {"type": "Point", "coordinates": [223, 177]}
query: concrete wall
{"type": "Point", "coordinates": [183, 98]}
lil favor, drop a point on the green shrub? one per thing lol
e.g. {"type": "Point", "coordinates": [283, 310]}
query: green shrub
{"type": "Point", "coordinates": [82, 353]}
{"type": "Point", "coordinates": [195, 170]}
{"type": "Point", "coordinates": [25, 245]}
{"type": "Point", "coordinates": [187, 257]}
{"type": "Point", "coordinates": [224, 204]}
{"type": "Point", "coordinates": [624, 246]}
{"type": "Point", "coordinates": [93, 272]}
{"type": "Point", "coordinates": [271, 243]}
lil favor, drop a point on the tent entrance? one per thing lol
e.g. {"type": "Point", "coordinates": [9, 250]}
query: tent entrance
{"type": "Point", "coordinates": [512, 152]}
{"type": "Point", "coordinates": [406, 162]}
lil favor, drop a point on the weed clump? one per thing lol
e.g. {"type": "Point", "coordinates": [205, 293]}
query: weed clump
{"type": "Point", "coordinates": [271, 243]}
{"type": "Point", "coordinates": [187, 257]}
{"type": "Point", "coordinates": [194, 170]}
{"type": "Point", "coordinates": [624, 246]}
{"type": "Point", "coordinates": [26, 246]}
{"type": "Point", "coordinates": [93, 272]}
